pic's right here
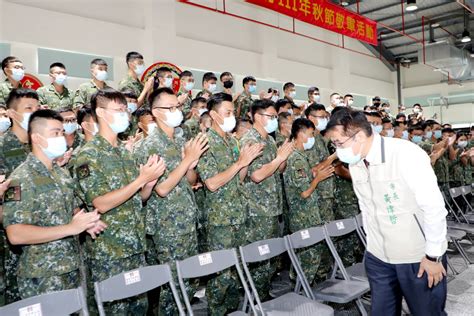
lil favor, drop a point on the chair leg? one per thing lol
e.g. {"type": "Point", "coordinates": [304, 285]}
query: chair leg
{"type": "Point", "coordinates": [361, 307]}
{"type": "Point", "coordinates": [462, 252]}
{"type": "Point", "coordinates": [451, 266]}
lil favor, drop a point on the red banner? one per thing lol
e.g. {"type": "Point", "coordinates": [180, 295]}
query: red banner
{"type": "Point", "coordinates": [327, 15]}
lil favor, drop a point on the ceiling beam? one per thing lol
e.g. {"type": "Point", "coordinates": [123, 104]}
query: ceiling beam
{"type": "Point", "coordinates": [387, 56]}
{"type": "Point", "coordinates": [417, 11]}
{"type": "Point", "coordinates": [380, 8]}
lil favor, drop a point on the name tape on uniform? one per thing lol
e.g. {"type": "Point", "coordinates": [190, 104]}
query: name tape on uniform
{"type": "Point", "coordinates": [205, 259]}
{"type": "Point", "coordinates": [305, 234]}
{"type": "Point", "coordinates": [263, 249]}
{"type": "Point", "coordinates": [340, 225]}
{"type": "Point", "coordinates": [31, 310]}
{"type": "Point", "coordinates": [132, 277]}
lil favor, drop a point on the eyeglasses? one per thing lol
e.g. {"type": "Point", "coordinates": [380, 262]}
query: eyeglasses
{"type": "Point", "coordinates": [273, 117]}
{"type": "Point", "coordinates": [171, 108]}
{"type": "Point", "coordinates": [119, 110]}
{"type": "Point", "coordinates": [318, 116]}
{"type": "Point", "coordinates": [70, 120]}
{"type": "Point", "coordinates": [340, 145]}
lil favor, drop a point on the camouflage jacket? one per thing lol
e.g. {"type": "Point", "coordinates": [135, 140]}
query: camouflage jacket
{"type": "Point", "coordinates": [315, 155]}
{"type": "Point", "coordinates": [191, 128]}
{"type": "Point", "coordinates": [131, 83]}
{"type": "Point", "coordinates": [48, 95]}
{"type": "Point", "coordinates": [12, 152]}
{"type": "Point", "coordinates": [5, 88]}
{"type": "Point", "coordinates": [84, 93]}
{"type": "Point", "coordinates": [187, 102]}
{"type": "Point", "coordinates": [43, 198]}
{"type": "Point", "coordinates": [227, 205]}
{"type": "Point", "coordinates": [244, 101]}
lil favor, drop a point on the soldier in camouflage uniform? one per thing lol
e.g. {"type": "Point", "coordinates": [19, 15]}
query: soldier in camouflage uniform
{"type": "Point", "coordinates": [74, 139]}
{"type": "Point", "coordinates": [185, 91]}
{"type": "Point", "coordinates": [109, 181]}
{"type": "Point", "coordinates": [136, 68]}
{"type": "Point", "coordinates": [209, 85]}
{"type": "Point", "coordinates": [285, 121]}
{"type": "Point", "coordinates": [263, 185]}
{"type": "Point", "coordinates": [41, 195]}
{"type": "Point", "coordinates": [301, 191]}
{"type": "Point", "coordinates": [244, 100]}
{"type": "Point", "coordinates": [86, 90]}
{"type": "Point", "coordinates": [171, 211]}
{"type": "Point", "coordinates": [222, 169]}
{"type": "Point", "coordinates": [191, 126]}
{"type": "Point", "coordinates": [14, 149]}
{"type": "Point", "coordinates": [56, 96]}
{"type": "Point", "coordinates": [14, 71]}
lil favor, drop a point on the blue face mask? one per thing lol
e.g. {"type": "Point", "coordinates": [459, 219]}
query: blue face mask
{"type": "Point", "coordinates": [405, 135]}
{"type": "Point", "coordinates": [252, 88]}
{"type": "Point", "coordinates": [437, 134]}
{"type": "Point", "coordinates": [377, 128]}
{"type": "Point", "coordinates": [271, 126]}
{"type": "Point", "coordinates": [347, 155]}
{"type": "Point", "coordinates": [417, 139]}
{"type": "Point", "coordinates": [309, 143]}
{"type": "Point", "coordinates": [428, 135]}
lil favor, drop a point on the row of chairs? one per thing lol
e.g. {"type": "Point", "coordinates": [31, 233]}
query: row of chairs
{"type": "Point", "coordinates": [344, 285]}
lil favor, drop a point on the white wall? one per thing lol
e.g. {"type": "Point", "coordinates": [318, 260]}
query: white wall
{"type": "Point", "coordinates": [190, 37]}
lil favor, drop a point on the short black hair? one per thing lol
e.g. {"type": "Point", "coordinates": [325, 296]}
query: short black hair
{"type": "Point", "coordinates": [208, 76]}
{"type": "Point", "coordinates": [20, 93]}
{"type": "Point", "coordinates": [248, 79]}
{"type": "Point", "coordinates": [447, 130]}
{"type": "Point", "coordinates": [333, 94]}
{"type": "Point", "coordinates": [3, 106]}
{"type": "Point", "coordinates": [160, 72]}
{"type": "Point", "coordinates": [225, 73]}
{"type": "Point", "coordinates": [198, 100]}
{"type": "Point", "coordinates": [301, 124]}
{"type": "Point", "coordinates": [348, 96]}
{"type": "Point", "coordinates": [142, 112]}
{"type": "Point", "coordinates": [415, 127]}
{"type": "Point", "coordinates": [399, 115]}
{"type": "Point", "coordinates": [105, 95]}
{"type": "Point", "coordinates": [64, 109]}
{"type": "Point", "coordinates": [156, 94]}
{"type": "Point", "coordinates": [258, 105]}
{"type": "Point", "coordinates": [185, 73]}
{"type": "Point", "coordinates": [239, 123]}
{"type": "Point", "coordinates": [373, 114]}
{"type": "Point", "coordinates": [313, 108]}
{"type": "Point", "coordinates": [131, 56]}
{"type": "Point", "coordinates": [376, 98]}
{"type": "Point", "coordinates": [98, 62]}
{"type": "Point", "coordinates": [387, 120]}
{"type": "Point", "coordinates": [45, 114]}
{"type": "Point", "coordinates": [288, 85]}
{"type": "Point", "coordinates": [281, 103]}
{"type": "Point", "coordinates": [83, 114]}
{"type": "Point", "coordinates": [7, 60]}
{"type": "Point", "coordinates": [216, 100]}
{"type": "Point", "coordinates": [57, 64]}
{"type": "Point", "coordinates": [350, 120]}
{"type": "Point", "coordinates": [129, 93]}
{"type": "Point", "coordinates": [312, 90]}
{"type": "Point", "coordinates": [283, 117]}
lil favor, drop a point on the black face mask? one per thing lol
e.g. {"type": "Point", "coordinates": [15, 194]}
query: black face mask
{"type": "Point", "coordinates": [228, 84]}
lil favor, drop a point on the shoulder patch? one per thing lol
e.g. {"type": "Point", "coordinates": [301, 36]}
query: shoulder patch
{"type": "Point", "coordinates": [301, 173]}
{"type": "Point", "coordinates": [82, 171]}
{"type": "Point", "coordinates": [12, 194]}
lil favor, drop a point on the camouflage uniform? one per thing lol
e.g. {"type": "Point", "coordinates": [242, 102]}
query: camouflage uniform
{"type": "Point", "coordinates": [279, 138]}
{"type": "Point", "coordinates": [48, 95]}
{"type": "Point", "coordinates": [456, 171]}
{"type": "Point", "coordinates": [171, 220]}
{"type": "Point", "coordinates": [101, 168]}
{"type": "Point", "coordinates": [191, 128]}
{"type": "Point", "coordinates": [5, 88]}
{"type": "Point", "coordinates": [12, 154]}
{"type": "Point", "coordinates": [244, 102]}
{"type": "Point", "coordinates": [84, 93]}
{"type": "Point", "coordinates": [265, 205]}
{"type": "Point", "coordinates": [131, 83]}
{"type": "Point", "coordinates": [187, 102]}
{"type": "Point", "coordinates": [204, 91]}
{"type": "Point", "coordinates": [227, 212]}
{"type": "Point", "coordinates": [46, 199]}
{"type": "Point", "coordinates": [304, 213]}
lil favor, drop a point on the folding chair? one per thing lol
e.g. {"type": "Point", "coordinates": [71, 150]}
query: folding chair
{"type": "Point", "coordinates": [133, 283]}
{"type": "Point", "coordinates": [455, 193]}
{"type": "Point", "coordinates": [360, 229]}
{"type": "Point", "coordinates": [207, 264]}
{"type": "Point", "coordinates": [465, 191]}
{"type": "Point", "coordinates": [289, 303]}
{"type": "Point", "coordinates": [55, 303]}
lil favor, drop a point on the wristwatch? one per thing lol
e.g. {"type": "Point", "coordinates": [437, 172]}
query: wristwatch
{"type": "Point", "coordinates": [434, 259]}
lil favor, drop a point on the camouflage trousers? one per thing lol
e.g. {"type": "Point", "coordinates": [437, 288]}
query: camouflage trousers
{"type": "Point", "coordinates": [12, 256]}
{"type": "Point", "coordinates": [202, 225]}
{"type": "Point", "coordinates": [310, 260]}
{"type": "Point", "coordinates": [326, 210]}
{"type": "Point", "coordinates": [349, 247]}
{"type": "Point", "coordinates": [169, 249]}
{"type": "Point", "coordinates": [222, 291]}
{"type": "Point", "coordinates": [2, 263]}
{"type": "Point", "coordinates": [104, 269]}
{"type": "Point", "coordinates": [259, 228]}
{"type": "Point", "coordinates": [29, 287]}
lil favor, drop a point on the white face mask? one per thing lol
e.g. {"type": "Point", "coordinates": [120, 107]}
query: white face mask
{"type": "Point", "coordinates": [4, 124]}
{"type": "Point", "coordinates": [173, 119]}
{"type": "Point", "coordinates": [229, 124]}
{"type": "Point", "coordinates": [212, 87]}
{"type": "Point", "coordinates": [416, 110]}
{"type": "Point", "coordinates": [96, 129]}
{"type": "Point", "coordinates": [120, 123]}
{"type": "Point", "coordinates": [139, 69]}
{"type": "Point", "coordinates": [322, 123]}
{"type": "Point", "coordinates": [70, 128]}
{"type": "Point", "coordinates": [274, 98]}
{"type": "Point", "coordinates": [132, 107]}
{"type": "Point", "coordinates": [292, 94]}
{"type": "Point", "coordinates": [462, 144]}
{"type": "Point", "coordinates": [60, 79]}
{"type": "Point", "coordinates": [309, 143]}
{"type": "Point", "coordinates": [317, 98]}
{"type": "Point", "coordinates": [24, 122]}
{"type": "Point", "coordinates": [271, 125]}
{"type": "Point", "coordinates": [151, 127]}
{"type": "Point", "coordinates": [347, 155]}
{"type": "Point", "coordinates": [350, 102]}
{"type": "Point", "coordinates": [390, 132]}
{"type": "Point", "coordinates": [202, 111]}
{"type": "Point", "coordinates": [168, 82]}
{"type": "Point", "coordinates": [101, 75]}
{"type": "Point", "coordinates": [18, 74]}
{"type": "Point", "coordinates": [56, 147]}
{"type": "Point", "coordinates": [189, 86]}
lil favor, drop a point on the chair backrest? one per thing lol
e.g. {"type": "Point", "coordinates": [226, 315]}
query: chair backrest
{"type": "Point", "coordinates": [207, 264]}
{"type": "Point", "coordinates": [133, 283]}
{"type": "Point", "coordinates": [465, 190]}
{"type": "Point", "coordinates": [340, 227]}
{"type": "Point", "coordinates": [306, 237]}
{"type": "Point", "coordinates": [455, 192]}
{"type": "Point", "coordinates": [360, 229]}
{"type": "Point", "coordinates": [56, 303]}
{"type": "Point", "coordinates": [262, 250]}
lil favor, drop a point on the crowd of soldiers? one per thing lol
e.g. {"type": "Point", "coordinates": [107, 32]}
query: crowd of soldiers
{"type": "Point", "coordinates": [101, 181]}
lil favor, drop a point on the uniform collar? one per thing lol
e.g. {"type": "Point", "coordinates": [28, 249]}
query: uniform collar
{"type": "Point", "coordinates": [376, 153]}
{"type": "Point", "coordinates": [38, 166]}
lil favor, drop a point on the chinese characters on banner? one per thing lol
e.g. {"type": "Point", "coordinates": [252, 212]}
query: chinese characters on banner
{"type": "Point", "coordinates": [327, 15]}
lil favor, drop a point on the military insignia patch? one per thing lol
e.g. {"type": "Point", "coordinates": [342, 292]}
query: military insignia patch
{"type": "Point", "coordinates": [83, 171]}
{"type": "Point", "coordinates": [12, 194]}
{"type": "Point", "coordinates": [301, 173]}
